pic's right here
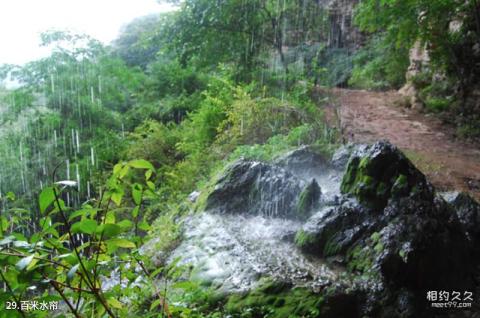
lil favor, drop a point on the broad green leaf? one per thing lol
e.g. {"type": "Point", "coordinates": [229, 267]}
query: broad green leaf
{"type": "Point", "coordinates": [117, 168]}
{"type": "Point", "coordinates": [137, 193]}
{"type": "Point", "coordinates": [117, 196]}
{"type": "Point", "coordinates": [24, 262]}
{"type": "Point", "coordinates": [119, 242]}
{"type": "Point", "coordinates": [148, 174]}
{"type": "Point", "coordinates": [141, 164]}
{"type": "Point", "coordinates": [125, 224]}
{"type": "Point", "coordinates": [109, 230]}
{"type": "Point", "coordinates": [110, 217]}
{"type": "Point", "coordinates": [144, 226]}
{"type": "Point", "coordinates": [114, 303]}
{"type": "Point", "coordinates": [151, 185]}
{"type": "Point", "coordinates": [85, 226]}
{"type": "Point", "coordinates": [135, 211]}
{"type": "Point", "coordinates": [46, 198]}
{"type": "Point", "coordinates": [124, 172]}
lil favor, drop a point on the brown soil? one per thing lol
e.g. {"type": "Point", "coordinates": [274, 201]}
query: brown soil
{"type": "Point", "coordinates": [365, 117]}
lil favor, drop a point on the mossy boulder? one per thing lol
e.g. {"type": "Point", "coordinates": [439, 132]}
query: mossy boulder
{"type": "Point", "coordinates": [390, 227]}
{"type": "Point", "coordinates": [332, 230]}
{"type": "Point", "coordinates": [381, 172]}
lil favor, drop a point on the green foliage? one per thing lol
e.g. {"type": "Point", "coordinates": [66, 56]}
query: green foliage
{"type": "Point", "coordinates": [380, 64]}
{"type": "Point", "coordinates": [139, 41]}
{"type": "Point", "coordinates": [179, 95]}
{"type": "Point", "coordinates": [76, 269]}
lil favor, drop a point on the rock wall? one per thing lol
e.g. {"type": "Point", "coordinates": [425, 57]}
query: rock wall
{"type": "Point", "coordinates": [343, 33]}
{"type": "Point", "coordinates": [419, 60]}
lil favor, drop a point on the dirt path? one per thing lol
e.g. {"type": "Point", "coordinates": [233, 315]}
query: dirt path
{"type": "Point", "coordinates": [451, 164]}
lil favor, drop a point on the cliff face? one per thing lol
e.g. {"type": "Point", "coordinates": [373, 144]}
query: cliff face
{"type": "Point", "coordinates": [342, 33]}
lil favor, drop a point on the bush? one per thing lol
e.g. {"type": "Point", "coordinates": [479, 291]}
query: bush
{"type": "Point", "coordinates": [380, 65]}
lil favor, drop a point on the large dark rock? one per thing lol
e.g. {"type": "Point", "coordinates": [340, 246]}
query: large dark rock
{"type": "Point", "coordinates": [304, 161]}
{"type": "Point", "coordinates": [251, 187]}
{"type": "Point", "coordinates": [468, 212]}
{"type": "Point", "coordinates": [380, 172]}
{"type": "Point", "coordinates": [391, 227]}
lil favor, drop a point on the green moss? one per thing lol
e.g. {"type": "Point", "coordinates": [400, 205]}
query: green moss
{"type": "Point", "coordinates": [374, 188]}
{"type": "Point", "coordinates": [359, 259]}
{"type": "Point", "coordinates": [303, 238]}
{"type": "Point", "coordinates": [275, 299]}
{"type": "Point", "coordinates": [378, 247]}
{"type": "Point", "coordinates": [348, 181]}
{"type": "Point", "coordinates": [308, 199]}
{"type": "Point", "coordinates": [375, 237]}
{"type": "Point", "coordinates": [400, 186]}
{"type": "Point", "coordinates": [331, 247]}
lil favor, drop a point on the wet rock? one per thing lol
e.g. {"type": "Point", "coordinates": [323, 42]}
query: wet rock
{"type": "Point", "coordinates": [309, 199]}
{"type": "Point", "coordinates": [468, 212]}
{"type": "Point", "coordinates": [391, 227]}
{"type": "Point", "coordinates": [251, 187]}
{"type": "Point", "coordinates": [380, 172]}
{"type": "Point", "coordinates": [332, 230]}
{"type": "Point", "coordinates": [342, 155]}
{"type": "Point", "coordinates": [304, 161]}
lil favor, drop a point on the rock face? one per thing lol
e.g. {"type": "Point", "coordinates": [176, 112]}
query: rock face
{"type": "Point", "coordinates": [303, 161]}
{"type": "Point", "coordinates": [343, 32]}
{"type": "Point", "coordinates": [391, 227]}
{"type": "Point", "coordinates": [381, 172]}
{"type": "Point", "coordinates": [256, 188]}
{"type": "Point", "coordinates": [468, 212]}
{"type": "Point", "coordinates": [387, 235]}
{"type": "Point", "coordinates": [419, 61]}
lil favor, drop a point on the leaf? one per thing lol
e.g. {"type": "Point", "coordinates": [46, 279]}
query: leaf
{"type": "Point", "coordinates": [151, 185]}
{"type": "Point", "coordinates": [85, 226]}
{"type": "Point", "coordinates": [110, 217]}
{"type": "Point", "coordinates": [117, 196]}
{"type": "Point", "coordinates": [144, 226]}
{"type": "Point", "coordinates": [125, 224]}
{"type": "Point", "coordinates": [124, 171]}
{"type": "Point", "coordinates": [135, 211]}
{"type": "Point", "coordinates": [141, 164]}
{"type": "Point", "coordinates": [33, 262]}
{"type": "Point", "coordinates": [155, 304]}
{"type": "Point", "coordinates": [72, 271]}
{"type": "Point", "coordinates": [7, 240]}
{"type": "Point", "coordinates": [21, 244]}
{"type": "Point", "coordinates": [109, 230]}
{"type": "Point", "coordinates": [46, 197]}
{"type": "Point", "coordinates": [148, 174]}
{"type": "Point", "coordinates": [117, 168]}
{"type": "Point", "coordinates": [24, 262]}
{"type": "Point", "coordinates": [76, 214]}
{"type": "Point", "coordinates": [137, 193]}
{"type": "Point", "coordinates": [118, 242]}
{"type": "Point", "coordinates": [114, 303]}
